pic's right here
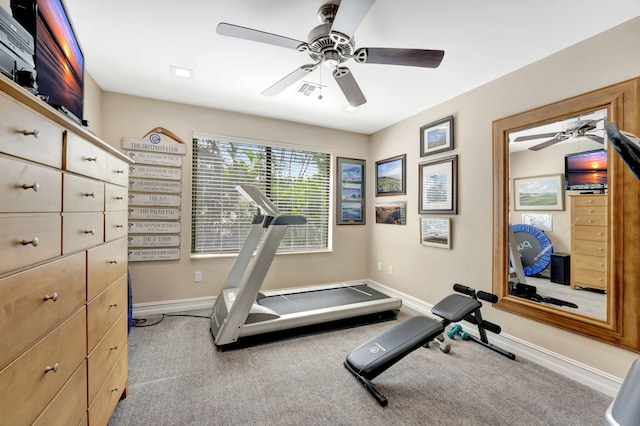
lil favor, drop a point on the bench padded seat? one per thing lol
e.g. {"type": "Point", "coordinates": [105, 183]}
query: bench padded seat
{"type": "Point", "coordinates": [381, 352]}
{"type": "Point", "coordinates": [455, 307]}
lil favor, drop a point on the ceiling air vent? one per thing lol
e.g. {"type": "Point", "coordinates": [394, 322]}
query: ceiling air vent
{"type": "Point", "coordinates": [308, 88]}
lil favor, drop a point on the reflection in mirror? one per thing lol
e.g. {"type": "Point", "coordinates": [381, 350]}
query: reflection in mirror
{"type": "Point", "coordinates": [616, 284]}
{"type": "Point", "coordinates": [558, 216]}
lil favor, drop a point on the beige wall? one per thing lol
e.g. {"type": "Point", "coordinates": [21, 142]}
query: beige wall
{"type": "Point", "coordinates": [428, 273]}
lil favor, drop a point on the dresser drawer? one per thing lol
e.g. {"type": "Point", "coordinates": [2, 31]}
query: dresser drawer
{"type": "Point", "coordinates": [106, 353]}
{"type": "Point", "coordinates": [83, 157]}
{"type": "Point", "coordinates": [109, 394]}
{"type": "Point", "coordinates": [590, 211]}
{"type": "Point", "coordinates": [117, 171]}
{"type": "Point", "coordinates": [42, 142]}
{"type": "Point", "coordinates": [590, 233]}
{"type": "Point", "coordinates": [590, 248]}
{"type": "Point", "coordinates": [115, 198]}
{"type": "Point", "coordinates": [104, 309]}
{"type": "Point", "coordinates": [82, 194]}
{"type": "Point", "coordinates": [588, 278]}
{"type": "Point", "coordinates": [69, 407]}
{"type": "Point", "coordinates": [592, 200]}
{"type": "Point", "coordinates": [29, 383]}
{"type": "Point", "coordinates": [106, 263]}
{"type": "Point", "coordinates": [81, 230]}
{"type": "Point", "coordinates": [115, 225]}
{"type": "Point", "coordinates": [33, 302]}
{"type": "Point", "coordinates": [27, 187]}
{"type": "Point", "coordinates": [590, 220]}
{"type": "Point", "coordinates": [28, 238]}
{"type": "Point", "coordinates": [592, 263]}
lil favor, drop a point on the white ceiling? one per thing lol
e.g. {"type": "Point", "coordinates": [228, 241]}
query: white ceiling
{"type": "Point", "coordinates": [130, 44]}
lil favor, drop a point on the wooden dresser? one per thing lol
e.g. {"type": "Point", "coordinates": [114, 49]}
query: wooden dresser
{"type": "Point", "coordinates": [63, 267]}
{"type": "Point", "coordinates": [589, 241]}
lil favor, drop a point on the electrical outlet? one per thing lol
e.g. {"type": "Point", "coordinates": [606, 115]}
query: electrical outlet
{"type": "Point", "coordinates": [390, 270]}
{"type": "Point", "coordinates": [197, 277]}
{"type": "Point", "coordinates": [379, 266]}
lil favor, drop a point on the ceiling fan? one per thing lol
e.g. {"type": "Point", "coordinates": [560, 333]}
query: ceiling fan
{"type": "Point", "coordinates": [331, 43]}
{"type": "Point", "coordinates": [572, 129]}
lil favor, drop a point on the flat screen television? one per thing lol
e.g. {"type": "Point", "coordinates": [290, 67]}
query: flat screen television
{"type": "Point", "coordinates": [586, 170]}
{"type": "Point", "coordinates": [59, 61]}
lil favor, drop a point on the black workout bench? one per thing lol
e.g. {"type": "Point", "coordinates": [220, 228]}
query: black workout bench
{"type": "Point", "coordinates": [374, 357]}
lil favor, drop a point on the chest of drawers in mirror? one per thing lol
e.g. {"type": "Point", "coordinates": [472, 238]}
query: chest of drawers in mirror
{"type": "Point", "coordinates": [589, 241]}
{"type": "Point", "coordinates": [63, 274]}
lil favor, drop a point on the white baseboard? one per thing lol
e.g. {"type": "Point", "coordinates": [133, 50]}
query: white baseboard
{"type": "Point", "coordinates": [172, 306]}
{"type": "Point", "coordinates": [581, 373]}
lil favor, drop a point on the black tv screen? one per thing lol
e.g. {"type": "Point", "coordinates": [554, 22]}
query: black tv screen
{"type": "Point", "coordinates": [586, 170]}
{"type": "Point", "coordinates": [58, 58]}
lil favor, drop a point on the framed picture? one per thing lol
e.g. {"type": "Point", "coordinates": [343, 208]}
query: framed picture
{"type": "Point", "coordinates": [350, 193]}
{"type": "Point", "coordinates": [539, 193]}
{"type": "Point", "coordinates": [394, 213]}
{"type": "Point", "coordinates": [435, 232]}
{"type": "Point", "coordinates": [436, 137]}
{"type": "Point", "coordinates": [438, 186]}
{"type": "Point", "coordinates": [391, 175]}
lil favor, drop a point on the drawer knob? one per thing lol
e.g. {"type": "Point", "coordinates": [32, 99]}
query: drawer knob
{"type": "Point", "coordinates": [54, 297]}
{"type": "Point", "coordinates": [33, 242]}
{"type": "Point", "coordinates": [114, 305]}
{"type": "Point", "coordinates": [55, 368]}
{"type": "Point", "coordinates": [113, 348]}
{"type": "Point", "coordinates": [94, 159]}
{"type": "Point", "coordinates": [591, 201]}
{"type": "Point", "coordinates": [119, 198]}
{"type": "Point", "coordinates": [120, 171]}
{"type": "Point", "coordinates": [90, 231]}
{"type": "Point", "coordinates": [114, 261]}
{"type": "Point", "coordinates": [35, 186]}
{"type": "Point", "coordinates": [590, 210]}
{"type": "Point", "coordinates": [35, 133]}
{"type": "Point", "coordinates": [119, 226]}
{"type": "Point", "coordinates": [115, 389]}
{"type": "Point", "coordinates": [90, 194]}
{"type": "Point", "coordinates": [590, 220]}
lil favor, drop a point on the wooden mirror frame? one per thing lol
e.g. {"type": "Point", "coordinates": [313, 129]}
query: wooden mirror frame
{"type": "Point", "coordinates": [621, 328]}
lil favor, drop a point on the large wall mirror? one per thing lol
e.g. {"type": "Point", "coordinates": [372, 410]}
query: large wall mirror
{"type": "Point", "coordinates": [566, 216]}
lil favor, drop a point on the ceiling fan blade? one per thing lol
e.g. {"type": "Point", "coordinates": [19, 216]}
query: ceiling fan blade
{"type": "Point", "coordinates": [350, 15]}
{"type": "Point", "coordinates": [545, 144]}
{"type": "Point", "coordinates": [254, 35]}
{"type": "Point", "coordinates": [596, 138]}
{"type": "Point", "coordinates": [289, 80]}
{"type": "Point", "coordinates": [408, 57]}
{"type": "Point", "coordinates": [349, 86]}
{"type": "Point", "coordinates": [532, 137]}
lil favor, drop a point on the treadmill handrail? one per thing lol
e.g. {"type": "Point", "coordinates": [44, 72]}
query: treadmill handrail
{"type": "Point", "coordinates": [253, 194]}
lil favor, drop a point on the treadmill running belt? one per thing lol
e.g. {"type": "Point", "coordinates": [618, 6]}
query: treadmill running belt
{"type": "Point", "coordinates": [319, 299]}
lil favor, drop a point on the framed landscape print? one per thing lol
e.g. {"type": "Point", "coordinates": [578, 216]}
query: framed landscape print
{"type": "Point", "coordinates": [350, 193]}
{"type": "Point", "coordinates": [435, 232]}
{"type": "Point", "coordinates": [438, 186]}
{"type": "Point", "coordinates": [436, 137]}
{"type": "Point", "coordinates": [539, 193]}
{"type": "Point", "coordinates": [390, 176]}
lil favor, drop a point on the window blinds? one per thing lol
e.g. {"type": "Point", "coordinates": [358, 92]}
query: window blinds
{"type": "Point", "coordinates": [297, 180]}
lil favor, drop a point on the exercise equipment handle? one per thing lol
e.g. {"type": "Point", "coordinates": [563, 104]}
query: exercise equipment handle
{"type": "Point", "coordinates": [489, 297]}
{"type": "Point", "coordinates": [463, 289]}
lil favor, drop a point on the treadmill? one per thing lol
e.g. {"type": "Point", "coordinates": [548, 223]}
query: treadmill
{"type": "Point", "coordinates": [241, 310]}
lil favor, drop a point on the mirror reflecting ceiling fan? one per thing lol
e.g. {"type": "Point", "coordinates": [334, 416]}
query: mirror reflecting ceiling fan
{"type": "Point", "coordinates": [571, 129]}
{"type": "Point", "coordinates": [331, 43]}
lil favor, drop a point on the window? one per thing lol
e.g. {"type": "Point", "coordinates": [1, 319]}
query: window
{"type": "Point", "coordinates": [297, 179]}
